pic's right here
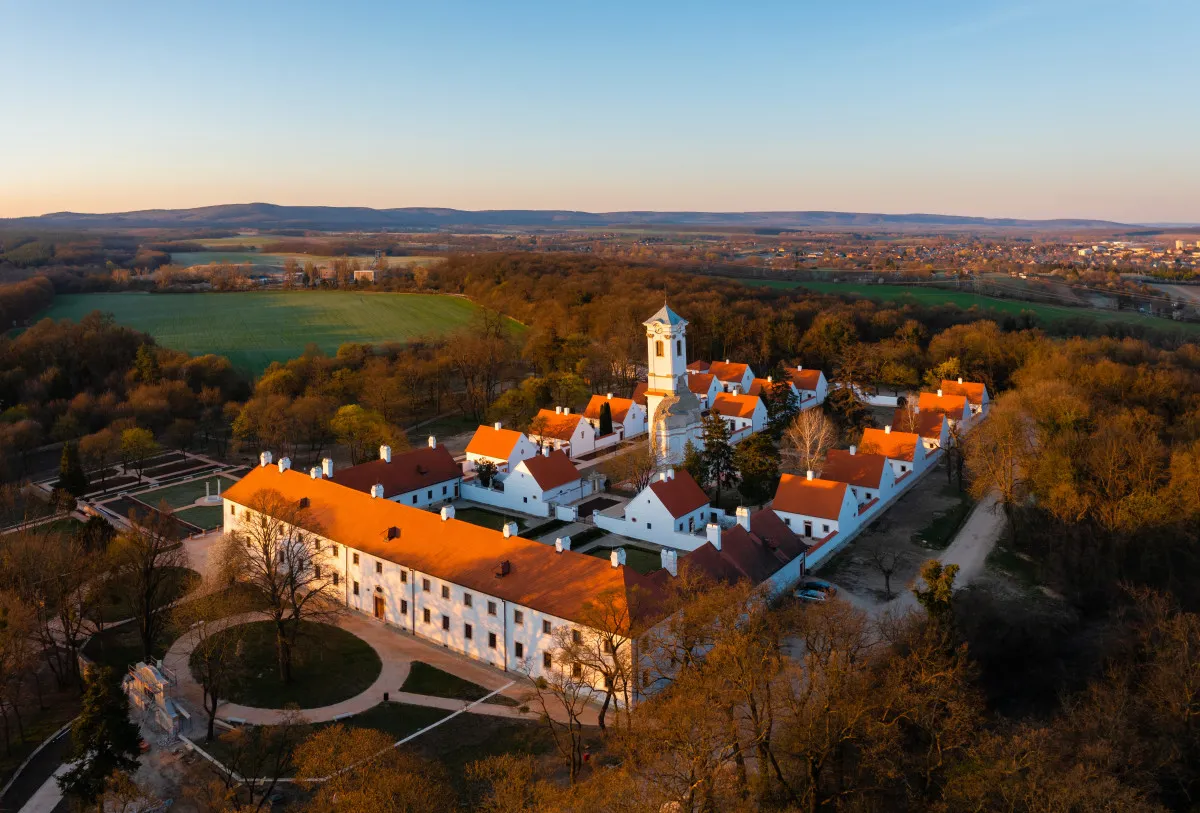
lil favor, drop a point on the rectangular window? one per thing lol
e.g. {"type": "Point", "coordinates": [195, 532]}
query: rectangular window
{"type": "Point", "coordinates": [356, 558]}
{"type": "Point", "coordinates": [824, 529]}
{"type": "Point", "coordinates": [233, 510]}
{"type": "Point", "coordinates": [679, 347]}
{"type": "Point", "coordinates": [547, 660]}
{"type": "Point", "coordinates": [404, 577]}
{"type": "Point", "coordinates": [336, 578]}
{"type": "Point", "coordinates": [316, 571]}
{"type": "Point", "coordinates": [467, 631]}
{"type": "Point", "coordinates": [356, 588]}
{"type": "Point", "coordinates": [443, 491]}
{"type": "Point", "coordinates": [429, 494]}
{"type": "Point", "coordinates": [425, 585]}
{"type": "Point", "coordinates": [466, 599]}
{"type": "Point", "coordinates": [577, 636]}
{"type": "Point", "coordinates": [414, 499]}
{"type": "Point", "coordinates": [445, 591]}
{"type": "Point", "coordinates": [545, 627]}
{"type": "Point", "coordinates": [518, 617]}
{"type": "Point", "coordinates": [425, 615]}
{"type": "Point", "coordinates": [445, 622]}
{"type": "Point", "coordinates": [491, 640]}
{"type": "Point", "coordinates": [334, 550]}
{"type": "Point", "coordinates": [576, 670]}
{"type": "Point", "coordinates": [491, 608]}
{"type": "Point", "coordinates": [403, 608]}
{"type": "Point", "coordinates": [519, 649]}
{"type": "Point", "coordinates": [379, 567]}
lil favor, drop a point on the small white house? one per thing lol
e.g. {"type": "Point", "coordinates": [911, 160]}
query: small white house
{"type": "Point", "coordinates": [627, 415]}
{"type": "Point", "coordinates": [975, 392]}
{"type": "Point", "coordinates": [768, 384]}
{"type": "Point", "coordinates": [731, 376]}
{"type": "Point", "coordinates": [905, 451]}
{"type": "Point", "coordinates": [815, 508]}
{"type": "Point", "coordinates": [744, 414]}
{"type": "Point", "coordinates": [672, 511]}
{"type": "Point", "coordinates": [420, 477]}
{"type": "Point", "coordinates": [495, 444]}
{"type": "Point", "coordinates": [563, 430]}
{"type": "Point", "coordinates": [812, 386]}
{"type": "Point", "coordinates": [704, 386]}
{"type": "Point", "coordinates": [547, 477]}
{"type": "Point", "coordinates": [870, 477]}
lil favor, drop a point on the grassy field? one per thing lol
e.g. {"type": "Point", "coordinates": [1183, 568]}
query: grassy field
{"type": "Point", "coordinates": [189, 258]}
{"type": "Point", "coordinates": [928, 295]}
{"type": "Point", "coordinates": [185, 494]}
{"type": "Point", "coordinates": [255, 328]}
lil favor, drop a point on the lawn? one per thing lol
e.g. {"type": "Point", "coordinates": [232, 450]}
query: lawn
{"type": "Point", "coordinates": [487, 518]}
{"type": "Point", "coordinates": [328, 665]}
{"type": "Point", "coordinates": [254, 328]}
{"type": "Point", "coordinates": [185, 494]}
{"type": "Point", "coordinates": [425, 679]}
{"type": "Point", "coordinates": [928, 295]}
{"type": "Point", "coordinates": [945, 524]}
{"type": "Point", "coordinates": [641, 560]}
{"type": "Point", "coordinates": [206, 517]}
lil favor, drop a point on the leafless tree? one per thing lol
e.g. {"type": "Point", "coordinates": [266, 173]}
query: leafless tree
{"type": "Point", "coordinates": [885, 562]}
{"type": "Point", "coordinates": [147, 562]}
{"type": "Point", "coordinates": [215, 661]}
{"type": "Point", "coordinates": [808, 439]}
{"type": "Point", "coordinates": [562, 694]}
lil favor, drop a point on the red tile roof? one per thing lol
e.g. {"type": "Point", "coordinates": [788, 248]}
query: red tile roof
{"type": "Point", "coordinates": [550, 424]}
{"type": "Point", "coordinates": [552, 470]}
{"type": "Point", "coordinates": [805, 379]}
{"type": "Point", "coordinates": [929, 423]}
{"type": "Point", "coordinates": [619, 407]}
{"type": "Point", "coordinates": [754, 555]}
{"type": "Point", "coordinates": [540, 578]}
{"type": "Point", "coordinates": [973, 390]}
{"type": "Point", "coordinates": [489, 441]}
{"type": "Point", "coordinates": [700, 383]}
{"type": "Point", "coordinates": [894, 445]}
{"type": "Point", "coordinates": [955, 406]}
{"type": "Point", "coordinates": [728, 371]}
{"type": "Point", "coordinates": [639, 393]}
{"type": "Point", "coordinates": [410, 471]}
{"type": "Point", "coordinates": [698, 367]}
{"type": "Point", "coordinates": [860, 469]}
{"type": "Point", "coordinates": [735, 406]}
{"type": "Point", "coordinates": [813, 498]}
{"type": "Point", "coordinates": [680, 495]}
{"type": "Point", "coordinates": [759, 384]}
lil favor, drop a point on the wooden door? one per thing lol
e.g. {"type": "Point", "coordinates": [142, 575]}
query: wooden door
{"type": "Point", "coordinates": [379, 607]}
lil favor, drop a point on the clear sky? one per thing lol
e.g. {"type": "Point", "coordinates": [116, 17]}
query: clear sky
{"type": "Point", "coordinates": [1087, 108]}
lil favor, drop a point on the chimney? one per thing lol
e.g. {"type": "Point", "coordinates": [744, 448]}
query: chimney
{"type": "Point", "coordinates": [609, 396]}
{"type": "Point", "coordinates": [566, 410]}
{"type": "Point", "coordinates": [770, 379]}
{"type": "Point", "coordinates": [670, 474]}
{"type": "Point", "coordinates": [393, 532]}
{"type": "Point", "coordinates": [670, 561]}
{"type": "Point", "coordinates": [960, 379]}
{"type": "Point", "coordinates": [558, 410]}
{"type": "Point", "coordinates": [726, 361]}
{"type": "Point", "coordinates": [377, 491]}
{"type": "Point", "coordinates": [736, 389]}
{"type": "Point", "coordinates": [285, 463]}
{"type": "Point", "coordinates": [939, 393]}
{"type": "Point", "coordinates": [545, 451]}
{"type": "Point", "coordinates": [810, 474]}
{"type": "Point", "coordinates": [887, 430]}
{"type": "Point", "coordinates": [617, 557]}
{"type": "Point", "coordinates": [510, 529]}
{"type": "Point", "coordinates": [432, 442]}
{"type": "Point", "coordinates": [496, 426]}
{"type": "Point", "coordinates": [743, 517]}
{"type": "Point", "coordinates": [503, 569]}
{"type": "Point", "coordinates": [385, 454]}
{"type": "Point", "coordinates": [713, 531]}
{"type": "Point", "coordinates": [562, 543]}
{"type": "Point", "coordinates": [447, 512]}
{"type": "Point", "coordinates": [662, 476]}
{"type": "Point", "coordinates": [315, 472]}
{"type": "Point", "coordinates": [853, 450]}
{"type": "Point", "coordinates": [799, 368]}
{"type": "Point", "coordinates": [264, 459]}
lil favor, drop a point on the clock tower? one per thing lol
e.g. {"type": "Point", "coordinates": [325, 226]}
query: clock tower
{"type": "Point", "coordinates": [673, 410]}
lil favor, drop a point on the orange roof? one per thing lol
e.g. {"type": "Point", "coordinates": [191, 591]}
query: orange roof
{"type": "Point", "coordinates": [488, 441]}
{"type": "Point", "coordinates": [415, 469]}
{"type": "Point", "coordinates": [954, 405]}
{"type": "Point", "coordinates": [698, 367]}
{"type": "Point", "coordinates": [727, 371]}
{"type": "Point", "coordinates": [552, 470]}
{"type": "Point", "coordinates": [893, 445]}
{"type": "Point", "coordinates": [700, 383]}
{"type": "Point", "coordinates": [639, 393]}
{"type": "Point", "coordinates": [619, 407]}
{"type": "Point", "coordinates": [813, 498]}
{"type": "Point", "coordinates": [927, 423]}
{"type": "Point", "coordinates": [973, 390]}
{"type": "Point", "coordinates": [760, 384]}
{"type": "Point", "coordinates": [550, 424]}
{"type": "Point", "coordinates": [860, 469]}
{"type": "Point", "coordinates": [805, 379]}
{"type": "Point", "coordinates": [680, 495]}
{"type": "Point", "coordinates": [460, 552]}
{"type": "Point", "coordinates": [735, 406]}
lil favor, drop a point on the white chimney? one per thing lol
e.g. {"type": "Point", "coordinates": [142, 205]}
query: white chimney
{"type": "Point", "coordinates": [743, 517]}
{"type": "Point", "coordinates": [496, 426]}
{"type": "Point", "coordinates": [887, 430]}
{"type": "Point", "coordinates": [327, 467]}
{"type": "Point", "coordinates": [562, 543]}
{"type": "Point", "coordinates": [377, 491]}
{"type": "Point", "coordinates": [510, 529]}
{"type": "Point", "coordinates": [726, 361]}
{"type": "Point", "coordinates": [939, 393]}
{"type": "Point", "coordinates": [264, 459]}
{"type": "Point", "coordinates": [609, 396]}
{"type": "Point", "coordinates": [447, 512]}
{"type": "Point", "coordinates": [385, 454]}
{"type": "Point", "coordinates": [960, 379]}
{"type": "Point", "coordinates": [713, 531]}
{"type": "Point", "coordinates": [432, 442]}
{"type": "Point", "coordinates": [662, 476]}
{"type": "Point", "coordinates": [546, 451]}
{"type": "Point", "coordinates": [617, 557]}
{"type": "Point", "coordinates": [670, 474]}
{"type": "Point", "coordinates": [810, 474]}
{"type": "Point", "coordinates": [670, 561]}
{"type": "Point", "coordinates": [558, 410]}
{"type": "Point", "coordinates": [853, 450]}
{"type": "Point", "coordinates": [566, 410]}
{"type": "Point", "coordinates": [770, 379]}
{"type": "Point", "coordinates": [315, 472]}
{"type": "Point", "coordinates": [799, 368]}
{"type": "Point", "coordinates": [285, 463]}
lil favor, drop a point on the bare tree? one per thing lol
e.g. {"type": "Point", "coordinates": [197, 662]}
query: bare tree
{"type": "Point", "coordinates": [275, 552]}
{"type": "Point", "coordinates": [257, 757]}
{"type": "Point", "coordinates": [998, 456]}
{"type": "Point", "coordinates": [885, 562]}
{"type": "Point", "coordinates": [601, 645]}
{"type": "Point", "coordinates": [635, 466]}
{"type": "Point", "coordinates": [148, 563]}
{"type": "Point", "coordinates": [808, 439]}
{"type": "Point", "coordinates": [562, 695]}
{"type": "Point", "coordinates": [215, 661]}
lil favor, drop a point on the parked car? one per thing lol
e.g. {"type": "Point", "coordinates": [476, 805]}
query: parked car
{"type": "Point", "coordinates": [805, 594]}
{"type": "Point", "coordinates": [818, 584]}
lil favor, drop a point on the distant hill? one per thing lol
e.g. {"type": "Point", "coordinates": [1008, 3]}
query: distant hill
{"type": "Point", "coordinates": [352, 218]}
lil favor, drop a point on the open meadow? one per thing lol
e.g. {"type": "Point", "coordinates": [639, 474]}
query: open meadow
{"type": "Point", "coordinates": [252, 329]}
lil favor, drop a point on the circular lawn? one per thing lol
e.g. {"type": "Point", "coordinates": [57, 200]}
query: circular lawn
{"type": "Point", "coordinates": [328, 665]}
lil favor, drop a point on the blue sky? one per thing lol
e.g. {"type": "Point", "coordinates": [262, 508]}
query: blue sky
{"type": "Point", "coordinates": [1084, 108]}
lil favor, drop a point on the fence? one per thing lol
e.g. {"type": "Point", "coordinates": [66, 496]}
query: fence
{"type": "Point", "coordinates": [501, 499]}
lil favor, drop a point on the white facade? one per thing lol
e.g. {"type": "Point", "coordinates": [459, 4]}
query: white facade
{"type": "Point", "coordinates": [633, 424]}
{"type": "Point", "coordinates": [522, 449]}
{"type": "Point", "coordinates": [812, 527]}
{"type": "Point", "coordinates": [674, 412]}
{"type": "Point", "coordinates": [582, 440]}
{"type": "Point", "coordinates": [424, 497]}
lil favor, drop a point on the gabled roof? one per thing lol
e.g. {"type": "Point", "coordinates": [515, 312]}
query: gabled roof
{"type": "Point", "coordinates": [698, 367]}
{"type": "Point", "coordinates": [927, 423]}
{"type": "Point", "coordinates": [665, 316]}
{"type": "Point", "coordinates": [954, 405]}
{"type": "Point", "coordinates": [680, 495]}
{"type": "Point", "coordinates": [973, 390]}
{"type": "Point", "coordinates": [700, 383]}
{"type": "Point", "coordinates": [735, 406]}
{"type": "Point", "coordinates": [488, 441]}
{"type": "Point", "coordinates": [755, 555]}
{"type": "Point", "coordinates": [538, 577]}
{"type": "Point", "coordinates": [552, 470]}
{"type": "Point", "coordinates": [550, 424]}
{"type": "Point", "coordinates": [759, 384]}
{"type": "Point", "coordinates": [893, 445]}
{"type": "Point", "coordinates": [813, 498]}
{"type": "Point", "coordinates": [618, 407]}
{"type": "Point", "coordinates": [410, 471]}
{"type": "Point", "coordinates": [859, 469]}
{"type": "Point", "coordinates": [728, 371]}
{"type": "Point", "coordinates": [639, 393]}
{"type": "Point", "coordinates": [805, 379]}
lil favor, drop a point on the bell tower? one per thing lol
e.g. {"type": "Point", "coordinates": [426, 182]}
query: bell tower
{"type": "Point", "coordinates": [666, 346]}
{"type": "Point", "coordinates": [673, 410]}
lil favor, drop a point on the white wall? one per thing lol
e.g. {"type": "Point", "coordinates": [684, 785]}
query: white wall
{"type": "Point", "coordinates": [659, 534]}
{"type": "Point", "coordinates": [523, 449]}
{"type": "Point", "coordinates": [504, 499]}
{"type": "Point", "coordinates": [441, 492]}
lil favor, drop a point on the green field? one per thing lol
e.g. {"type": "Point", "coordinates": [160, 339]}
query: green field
{"type": "Point", "coordinates": [928, 295]}
{"type": "Point", "coordinates": [190, 258]}
{"type": "Point", "coordinates": [253, 329]}
{"type": "Point", "coordinates": [184, 495]}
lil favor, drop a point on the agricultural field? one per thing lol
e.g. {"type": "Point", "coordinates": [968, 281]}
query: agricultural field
{"type": "Point", "coordinates": [928, 295]}
{"type": "Point", "coordinates": [253, 329]}
{"type": "Point", "coordinates": [190, 258]}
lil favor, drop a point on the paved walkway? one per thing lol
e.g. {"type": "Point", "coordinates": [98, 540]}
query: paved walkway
{"type": "Point", "coordinates": [47, 797]}
{"type": "Point", "coordinates": [574, 529]}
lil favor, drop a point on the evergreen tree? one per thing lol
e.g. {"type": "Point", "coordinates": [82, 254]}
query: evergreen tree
{"type": "Point", "coordinates": [103, 738]}
{"type": "Point", "coordinates": [693, 464]}
{"type": "Point", "coordinates": [606, 426]}
{"type": "Point", "coordinates": [782, 403]}
{"type": "Point", "coordinates": [757, 462]}
{"type": "Point", "coordinates": [718, 454]}
{"type": "Point", "coordinates": [71, 477]}
{"type": "Point", "coordinates": [145, 365]}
